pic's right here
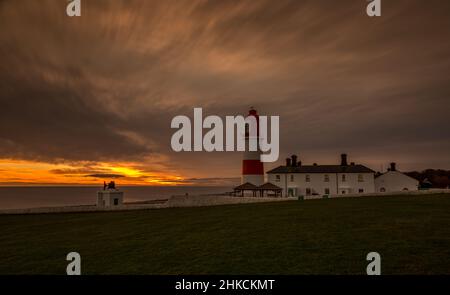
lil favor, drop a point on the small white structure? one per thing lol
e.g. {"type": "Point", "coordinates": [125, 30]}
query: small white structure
{"type": "Point", "coordinates": [109, 197]}
{"type": "Point", "coordinates": [395, 181]}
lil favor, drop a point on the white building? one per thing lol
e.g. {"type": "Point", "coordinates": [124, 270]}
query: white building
{"type": "Point", "coordinates": [109, 198]}
{"type": "Point", "coordinates": [296, 179]}
{"type": "Point", "coordinates": [395, 181]}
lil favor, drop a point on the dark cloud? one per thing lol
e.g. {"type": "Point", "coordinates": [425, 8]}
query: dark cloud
{"type": "Point", "coordinates": [106, 176]}
{"type": "Point", "coordinates": [104, 87]}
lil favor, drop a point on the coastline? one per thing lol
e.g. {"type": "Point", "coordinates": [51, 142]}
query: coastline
{"type": "Point", "coordinates": [177, 201]}
{"type": "Point", "coordinates": [172, 202]}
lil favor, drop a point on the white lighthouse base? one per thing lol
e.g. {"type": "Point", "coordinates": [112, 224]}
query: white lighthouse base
{"type": "Point", "coordinates": [109, 198]}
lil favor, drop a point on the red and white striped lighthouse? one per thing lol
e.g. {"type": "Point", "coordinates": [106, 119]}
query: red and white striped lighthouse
{"type": "Point", "coordinates": [252, 167]}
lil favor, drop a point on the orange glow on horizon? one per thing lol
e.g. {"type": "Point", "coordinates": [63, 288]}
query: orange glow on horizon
{"type": "Point", "coordinates": [22, 172]}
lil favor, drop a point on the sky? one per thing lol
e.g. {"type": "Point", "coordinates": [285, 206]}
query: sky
{"type": "Point", "coordinates": [91, 98]}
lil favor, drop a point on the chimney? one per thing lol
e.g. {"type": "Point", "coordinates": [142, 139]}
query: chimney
{"type": "Point", "coordinates": [294, 160]}
{"type": "Point", "coordinates": [344, 160]}
{"type": "Point", "coordinates": [352, 163]}
{"type": "Point", "coordinates": [393, 167]}
{"type": "Point", "coordinates": [288, 162]}
{"type": "Point", "coordinates": [299, 163]}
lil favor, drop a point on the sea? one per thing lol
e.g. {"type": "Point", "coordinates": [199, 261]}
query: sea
{"type": "Point", "coordinates": [55, 196]}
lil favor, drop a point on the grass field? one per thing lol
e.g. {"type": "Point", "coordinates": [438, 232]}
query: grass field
{"type": "Point", "coordinates": [332, 236]}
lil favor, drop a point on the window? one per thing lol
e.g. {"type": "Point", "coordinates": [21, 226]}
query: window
{"type": "Point", "coordinates": [307, 178]}
{"type": "Point", "coordinates": [344, 178]}
{"type": "Point", "coordinates": [327, 191]}
{"type": "Point", "coordinates": [382, 190]}
{"type": "Point", "coordinates": [292, 177]}
{"type": "Point", "coordinates": [116, 202]}
{"type": "Point", "coordinates": [277, 178]}
{"type": "Point", "coordinates": [361, 190]}
{"type": "Point", "coordinates": [308, 191]}
{"type": "Point", "coordinates": [360, 178]}
{"type": "Point", "coordinates": [327, 178]}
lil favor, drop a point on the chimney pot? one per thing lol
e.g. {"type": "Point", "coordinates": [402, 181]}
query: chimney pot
{"type": "Point", "coordinates": [288, 162]}
{"type": "Point", "coordinates": [294, 160]}
{"type": "Point", "coordinates": [393, 168]}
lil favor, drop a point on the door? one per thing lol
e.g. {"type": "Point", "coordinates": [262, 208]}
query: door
{"type": "Point", "coordinates": [292, 192]}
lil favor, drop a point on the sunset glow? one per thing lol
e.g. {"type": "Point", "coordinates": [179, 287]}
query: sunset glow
{"type": "Point", "coordinates": [19, 172]}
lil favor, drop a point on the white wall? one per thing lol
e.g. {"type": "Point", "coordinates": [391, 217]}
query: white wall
{"type": "Point", "coordinates": [395, 181]}
{"type": "Point", "coordinates": [318, 185]}
{"type": "Point", "coordinates": [106, 198]}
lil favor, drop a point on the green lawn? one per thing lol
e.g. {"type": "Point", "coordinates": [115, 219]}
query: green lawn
{"type": "Point", "coordinates": [332, 236]}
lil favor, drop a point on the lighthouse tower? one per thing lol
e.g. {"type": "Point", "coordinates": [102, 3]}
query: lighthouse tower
{"type": "Point", "coordinates": [252, 167]}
